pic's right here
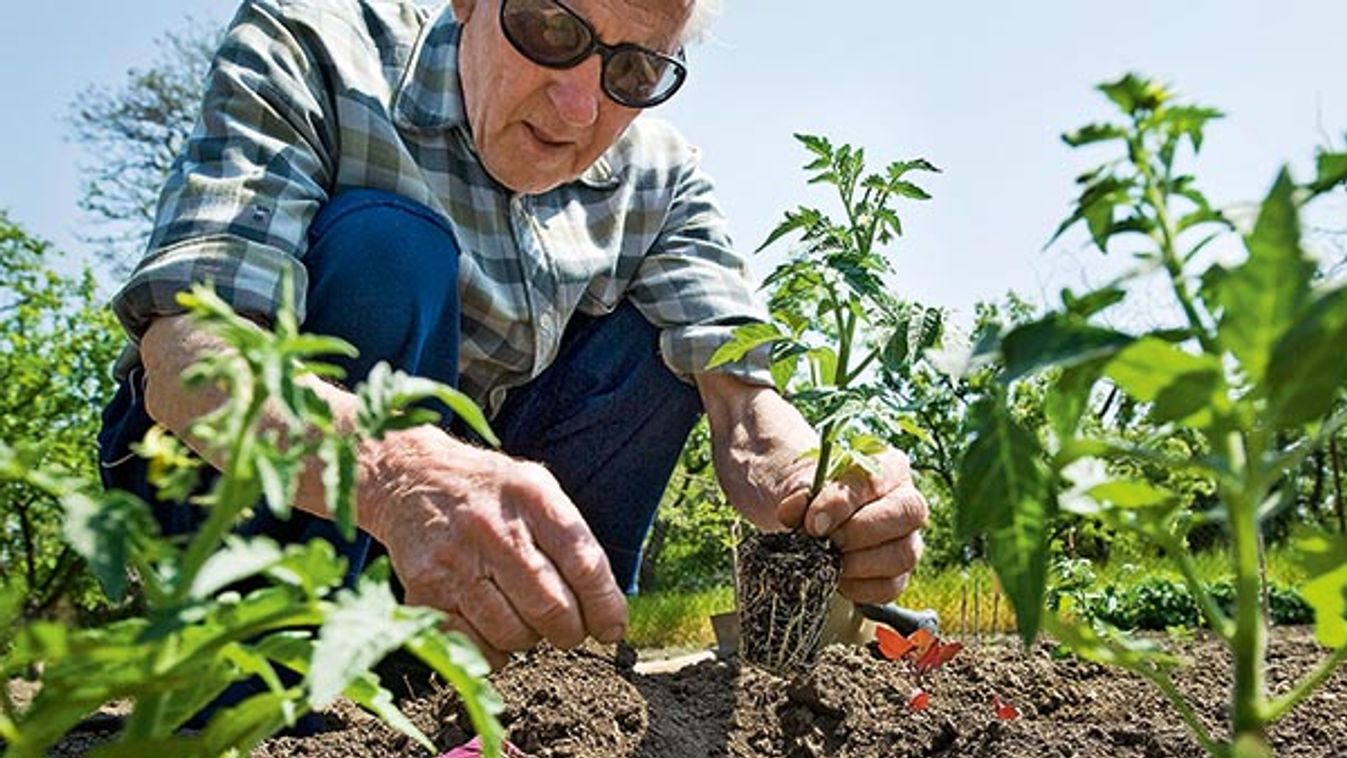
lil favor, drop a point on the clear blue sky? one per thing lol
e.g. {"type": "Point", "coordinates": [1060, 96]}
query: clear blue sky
{"type": "Point", "coordinates": [981, 89]}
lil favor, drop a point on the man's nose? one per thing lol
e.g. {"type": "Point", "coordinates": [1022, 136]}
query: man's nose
{"type": "Point", "coordinates": [575, 94]}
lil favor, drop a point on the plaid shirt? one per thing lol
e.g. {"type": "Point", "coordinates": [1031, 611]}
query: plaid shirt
{"type": "Point", "coordinates": [310, 96]}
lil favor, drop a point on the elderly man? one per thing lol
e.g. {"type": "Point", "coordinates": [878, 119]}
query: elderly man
{"type": "Point", "coordinates": [470, 195]}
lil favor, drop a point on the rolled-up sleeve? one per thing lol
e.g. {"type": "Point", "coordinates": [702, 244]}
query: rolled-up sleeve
{"type": "Point", "coordinates": [695, 288]}
{"type": "Point", "coordinates": [237, 203]}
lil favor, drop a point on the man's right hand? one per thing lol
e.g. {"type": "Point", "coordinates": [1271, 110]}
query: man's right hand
{"type": "Point", "coordinates": [490, 540]}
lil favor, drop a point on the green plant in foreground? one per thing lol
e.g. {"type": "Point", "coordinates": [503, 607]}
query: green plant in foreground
{"type": "Point", "coordinates": [198, 635]}
{"type": "Point", "coordinates": [1257, 362]}
{"type": "Point", "coordinates": [832, 310]}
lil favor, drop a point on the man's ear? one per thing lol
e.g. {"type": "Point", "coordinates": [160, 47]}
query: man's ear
{"type": "Point", "coordinates": [463, 10]}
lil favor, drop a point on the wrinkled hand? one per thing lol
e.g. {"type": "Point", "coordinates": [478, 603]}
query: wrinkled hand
{"type": "Point", "coordinates": [875, 520]}
{"type": "Point", "coordinates": [493, 542]}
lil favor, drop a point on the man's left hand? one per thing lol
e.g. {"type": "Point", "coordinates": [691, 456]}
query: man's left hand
{"type": "Point", "coordinates": [874, 519]}
{"type": "Point", "coordinates": [759, 440]}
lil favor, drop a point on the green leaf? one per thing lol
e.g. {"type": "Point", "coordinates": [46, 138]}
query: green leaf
{"type": "Point", "coordinates": [1132, 493]}
{"type": "Point", "coordinates": [366, 625]}
{"type": "Point", "coordinates": [1323, 558]}
{"type": "Point", "coordinates": [294, 652]}
{"type": "Point", "coordinates": [1134, 94]}
{"type": "Point", "coordinates": [1066, 400]}
{"type": "Point", "coordinates": [1057, 340]}
{"type": "Point", "coordinates": [1307, 369]}
{"type": "Point", "coordinates": [1002, 472]}
{"type": "Point", "coordinates": [339, 482]}
{"type": "Point", "coordinates": [236, 560]}
{"type": "Point", "coordinates": [804, 219]}
{"type": "Point", "coordinates": [1087, 305]}
{"type": "Point", "coordinates": [1004, 489]}
{"type": "Point", "coordinates": [743, 340]}
{"type": "Point", "coordinates": [1179, 383]}
{"type": "Point", "coordinates": [1264, 295]}
{"type": "Point", "coordinates": [1019, 553]}
{"type": "Point", "coordinates": [1331, 171]}
{"type": "Point", "coordinates": [1092, 133]}
{"type": "Point", "coordinates": [455, 659]}
{"type": "Point", "coordinates": [105, 532]}
{"type": "Point", "coordinates": [823, 361]}
{"type": "Point", "coordinates": [783, 371]}
{"type": "Point", "coordinates": [313, 568]}
{"type": "Point", "coordinates": [279, 478]}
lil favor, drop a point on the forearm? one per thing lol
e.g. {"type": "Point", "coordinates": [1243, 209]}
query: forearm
{"type": "Point", "coordinates": [758, 439]}
{"type": "Point", "coordinates": [173, 343]}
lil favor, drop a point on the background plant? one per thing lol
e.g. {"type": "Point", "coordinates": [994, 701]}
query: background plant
{"type": "Point", "coordinates": [835, 322]}
{"type": "Point", "coordinates": [1253, 373]}
{"type": "Point", "coordinates": [56, 344]}
{"type": "Point", "coordinates": [202, 629]}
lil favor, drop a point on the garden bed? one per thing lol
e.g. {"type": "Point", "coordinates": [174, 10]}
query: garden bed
{"type": "Point", "coordinates": [854, 704]}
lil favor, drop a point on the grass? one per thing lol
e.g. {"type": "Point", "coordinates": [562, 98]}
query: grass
{"type": "Point", "coordinates": [968, 600]}
{"type": "Point", "coordinates": [676, 619]}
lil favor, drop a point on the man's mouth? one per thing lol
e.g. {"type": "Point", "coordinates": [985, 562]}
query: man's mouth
{"type": "Point", "coordinates": [544, 137]}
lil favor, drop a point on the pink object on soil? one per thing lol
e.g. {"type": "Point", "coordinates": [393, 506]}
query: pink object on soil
{"type": "Point", "coordinates": [473, 749]}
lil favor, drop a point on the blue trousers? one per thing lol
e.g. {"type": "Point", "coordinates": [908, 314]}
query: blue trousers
{"type": "Point", "coordinates": [607, 418]}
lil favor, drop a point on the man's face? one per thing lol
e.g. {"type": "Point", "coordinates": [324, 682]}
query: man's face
{"type": "Point", "coordinates": [535, 127]}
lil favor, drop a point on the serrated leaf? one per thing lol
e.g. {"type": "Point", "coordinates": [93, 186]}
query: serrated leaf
{"type": "Point", "coordinates": [823, 361]}
{"type": "Point", "coordinates": [908, 426]}
{"type": "Point", "coordinates": [1306, 370]}
{"type": "Point", "coordinates": [743, 340]}
{"type": "Point", "coordinates": [237, 559]}
{"type": "Point", "coordinates": [455, 659]}
{"type": "Point", "coordinates": [1323, 558]}
{"type": "Point", "coordinates": [1057, 341]}
{"type": "Point", "coordinates": [1066, 400]}
{"type": "Point", "coordinates": [783, 371]}
{"type": "Point", "coordinates": [1148, 368]}
{"type": "Point", "coordinates": [295, 653]}
{"type": "Point", "coordinates": [1261, 297]}
{"type": "Point", "coordinates": [314, 567]}
{"type": "Point", "coordinates": [1087, 305]}
{"type": "Point", "coordinates": [1004, 489]}
{"type": "Point", "coordinates": [1331, 170]}
{"type": "Point", "coordinates": [104, 533]}
{"type": "Point", "coordinates": [366, 624]}
{"type": "Point", "coordinates": [278, 478]}
{"type": "Point", "coordinates": [1133, 94]}
{"type": "Point", "coordinates": [1092, 133]}
{"type": "Point", "coordinates": [1131, 493]}
{"type": "Point", "coordinates": [339, 482]}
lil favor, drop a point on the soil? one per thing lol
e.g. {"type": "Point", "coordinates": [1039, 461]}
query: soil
{"type": "Point", "coordinates": [785, 583]}
{"type": "Point", "coordinates": [853, 704]}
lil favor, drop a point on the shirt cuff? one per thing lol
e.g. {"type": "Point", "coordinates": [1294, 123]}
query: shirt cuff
{"type": "Point", "coordinates": [688, 349]}
{"type": "Point", "coordinates": [246, 274]}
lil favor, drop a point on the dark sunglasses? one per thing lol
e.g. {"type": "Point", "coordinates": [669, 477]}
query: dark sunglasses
{"type": "Point", "coordinates": [552, 35]}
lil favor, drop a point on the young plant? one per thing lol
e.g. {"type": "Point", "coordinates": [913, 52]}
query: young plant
{"type": "Point", "coordinates": [1253, 375]}
{"type": "Point", "coordinates": [834, 323]}
{"type": "Point", "coordinates": [199, 634]}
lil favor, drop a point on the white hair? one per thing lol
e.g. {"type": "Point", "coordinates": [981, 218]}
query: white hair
{"type": "Point", "coordinates": [698, 28]}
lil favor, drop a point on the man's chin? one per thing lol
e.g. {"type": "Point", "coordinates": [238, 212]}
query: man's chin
{"type": "Point", "coordinates": [531, 184]}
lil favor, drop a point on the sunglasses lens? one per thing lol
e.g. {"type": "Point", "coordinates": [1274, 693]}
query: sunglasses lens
{"type": "Point", "coordinates": [545, 32]}
{"type": "Point", "coordinates": [638, 78]}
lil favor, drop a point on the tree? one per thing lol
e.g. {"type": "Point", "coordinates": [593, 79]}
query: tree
{"type": "Point", "coordinates": [56, 346]}
{"type": "Point", "coordinates": [131, 135]}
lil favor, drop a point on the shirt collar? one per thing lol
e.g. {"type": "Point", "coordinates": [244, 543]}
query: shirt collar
{"type": "Point", "coordinates": [430, 96]}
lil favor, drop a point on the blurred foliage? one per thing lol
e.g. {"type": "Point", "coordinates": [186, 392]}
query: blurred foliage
{"type": "Point", "coordinates": [57, 344]}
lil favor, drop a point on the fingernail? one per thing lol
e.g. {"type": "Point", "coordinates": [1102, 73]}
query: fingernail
{"type": "Point", "coordinates": [614, 633]}
{"type": "Point", "coordinates": [821, 524]}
